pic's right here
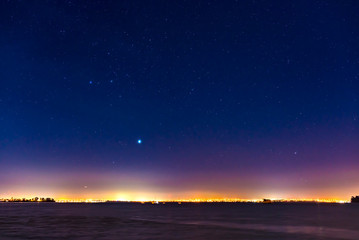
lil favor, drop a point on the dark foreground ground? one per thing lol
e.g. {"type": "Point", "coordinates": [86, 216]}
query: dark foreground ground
{"type": "Point", "coordinates": [172, 221]}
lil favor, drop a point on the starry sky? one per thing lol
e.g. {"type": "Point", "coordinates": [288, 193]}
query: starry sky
{"type": "Point", "coordinates": [179, 99]}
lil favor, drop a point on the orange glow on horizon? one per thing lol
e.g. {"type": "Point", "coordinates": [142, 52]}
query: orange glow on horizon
{"type": "Point", "coordinates": [200, 200]}
{"type": "Point", "coordinates": [88, 186]}
{"type": "Point", "coordinates": [164, 197]}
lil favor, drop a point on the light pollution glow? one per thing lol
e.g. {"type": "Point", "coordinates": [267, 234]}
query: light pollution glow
{"type": "Point", "coordinates": [135, 186]}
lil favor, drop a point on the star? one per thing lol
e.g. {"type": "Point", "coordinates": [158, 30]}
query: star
{"type": "Point", "coordinates": [139, 141]}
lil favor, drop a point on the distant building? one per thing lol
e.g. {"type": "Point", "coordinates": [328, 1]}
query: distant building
{"type": "Point", "coordinates": [265, 200]}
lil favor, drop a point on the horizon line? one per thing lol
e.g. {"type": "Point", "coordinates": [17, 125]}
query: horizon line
{"type": "Point", "coordinates": [191, 200]}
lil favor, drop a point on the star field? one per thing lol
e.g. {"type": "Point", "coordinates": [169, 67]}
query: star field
{"type": "Point", "coordinates": [260, 96]}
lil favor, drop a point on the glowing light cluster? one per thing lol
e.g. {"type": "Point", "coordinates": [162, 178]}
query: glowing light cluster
{"type": "Point", "coordinates": [201, 200]}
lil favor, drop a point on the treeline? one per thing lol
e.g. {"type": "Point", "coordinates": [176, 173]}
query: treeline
{"type": "Point", "coordinates": [35, 199]}
{"type": "Point", "coordinates": [355, 199]}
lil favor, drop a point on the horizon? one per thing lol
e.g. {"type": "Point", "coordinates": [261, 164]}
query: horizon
{"type": "Point", "coordinates": [191, 200]}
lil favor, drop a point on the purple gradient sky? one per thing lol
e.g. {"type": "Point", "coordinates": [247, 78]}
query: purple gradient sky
{"type": "Point", "coordinates": [230, 99]}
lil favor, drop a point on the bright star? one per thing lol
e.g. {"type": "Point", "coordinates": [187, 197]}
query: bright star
{"type": "Point", "coordinates": [139, 141]}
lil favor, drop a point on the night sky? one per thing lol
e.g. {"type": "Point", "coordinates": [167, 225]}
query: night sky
{"type": "Point", "coordinates": [179, 99]}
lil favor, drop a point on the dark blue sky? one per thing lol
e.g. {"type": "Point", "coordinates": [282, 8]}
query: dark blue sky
{"type": "Point", "coordinates": [209, 86]}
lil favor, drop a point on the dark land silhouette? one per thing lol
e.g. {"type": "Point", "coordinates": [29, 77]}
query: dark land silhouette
{"type": "Point", "coordinates": [355, 199]}
{"type": "Point", "coordinates": [35, 199]}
